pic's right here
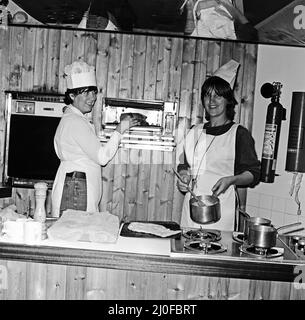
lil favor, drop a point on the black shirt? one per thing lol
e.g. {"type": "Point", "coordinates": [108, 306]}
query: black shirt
{"type": "Point", "coordinates": [245, 154]}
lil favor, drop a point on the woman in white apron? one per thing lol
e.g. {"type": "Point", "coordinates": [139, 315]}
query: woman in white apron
{"type": "Point", "coordinates": [219, 155]}
{"type": "Point", "coordinates": [78, 183]}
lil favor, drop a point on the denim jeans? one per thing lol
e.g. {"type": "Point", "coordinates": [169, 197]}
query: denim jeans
{"type": "Point", "coordinates": [74, 194]}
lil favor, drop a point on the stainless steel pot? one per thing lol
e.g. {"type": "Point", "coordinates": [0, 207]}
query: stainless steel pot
{"type": "Point", "coordinates": [254, 221]}
{"type": "Point", "coordinates": [262, 236]}
{"type": "Point", "coordinates": [207, 213]}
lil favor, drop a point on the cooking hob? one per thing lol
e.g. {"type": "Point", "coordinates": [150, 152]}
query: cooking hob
{"type": "Point", "coordinates": [256, 251]}
{"type": "Point", "coordinates": [202, 234]}
{"type": "Point", "coordinates": [204, 247]}
{"type": "Point", "coordinates": [261, 252]}
{"type": "Point", "coordinates": [204, 243]}
{"type": "Point", "coordinates": [198, 242]}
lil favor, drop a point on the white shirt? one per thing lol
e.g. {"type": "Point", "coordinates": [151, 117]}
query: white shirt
{"type": "Point", "coordinates": [79, 149]}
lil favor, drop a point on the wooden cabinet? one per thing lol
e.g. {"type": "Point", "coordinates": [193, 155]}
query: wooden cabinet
{"type": "Point", "coordinates": [64, 273]}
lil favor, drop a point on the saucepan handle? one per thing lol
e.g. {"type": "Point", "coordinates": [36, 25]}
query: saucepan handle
{"type": "Point", "coordinates": [289, 225]}
{"type": "Point", "coordinates": [293, 231]}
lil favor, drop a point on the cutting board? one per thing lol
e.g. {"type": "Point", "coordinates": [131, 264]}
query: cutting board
{"type": "Point", "coordinates": [125, 232]}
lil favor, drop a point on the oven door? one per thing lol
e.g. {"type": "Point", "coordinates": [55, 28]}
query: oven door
{"type": "Point", "coordinates": [30, 153]}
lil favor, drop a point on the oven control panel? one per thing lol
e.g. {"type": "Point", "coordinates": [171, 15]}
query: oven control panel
{"type": "Point", "coordinates": [25, 107]}
{"type": "Point", "coordinates": [38, 108]}
{"type": "Point", "coordinates": [36, 104]}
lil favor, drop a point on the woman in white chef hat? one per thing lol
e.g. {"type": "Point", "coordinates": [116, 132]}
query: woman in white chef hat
{"type": "Point", "coordinates": [218, 154]}
{"type": "Point", "coordinates": [78, 182]}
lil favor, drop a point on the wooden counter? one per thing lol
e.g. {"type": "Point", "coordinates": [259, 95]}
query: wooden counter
{"type": "Point", "coordinates": [42, 272]}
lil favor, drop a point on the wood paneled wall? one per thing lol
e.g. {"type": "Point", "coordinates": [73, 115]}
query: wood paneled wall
{"type": "Point", "coordinates": [137, 184]}
{"type": "Point", "coordinates": [38, 281]}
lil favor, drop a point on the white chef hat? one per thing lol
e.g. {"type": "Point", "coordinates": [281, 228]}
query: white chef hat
{"type": "Point", "coordinates": [228, 72]}
{"type": "Point", "coordinates": [80, 74]}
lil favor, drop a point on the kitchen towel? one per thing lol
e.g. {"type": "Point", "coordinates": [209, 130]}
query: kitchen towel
{"type": "Point", "coordinates": [76, 225]}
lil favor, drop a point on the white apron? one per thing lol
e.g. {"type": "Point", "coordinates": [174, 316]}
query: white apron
{"type": "Point", "coordinates": [93, 179]}
{"type": "Point", "coordinates": [216, 163]}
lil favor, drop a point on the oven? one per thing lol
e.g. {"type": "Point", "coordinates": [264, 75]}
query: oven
{"type": "Point", "coordinates": [156, 133]}
{"type": "Point", "coordinates": [32, 119]}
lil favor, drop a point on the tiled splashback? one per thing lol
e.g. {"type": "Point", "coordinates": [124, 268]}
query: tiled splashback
{"type": "Point", "coordinates": [280, 210]}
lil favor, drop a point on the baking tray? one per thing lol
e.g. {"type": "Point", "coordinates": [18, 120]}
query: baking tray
{"type": "Point", "coordinates": [125, 232]}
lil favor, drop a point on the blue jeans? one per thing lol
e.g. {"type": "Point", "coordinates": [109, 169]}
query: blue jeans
{"type": "Point", "coordinates": [74, 194]}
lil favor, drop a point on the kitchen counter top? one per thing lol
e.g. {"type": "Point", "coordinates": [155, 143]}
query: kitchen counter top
{"type": "Point", "coordinates": [219, 265]}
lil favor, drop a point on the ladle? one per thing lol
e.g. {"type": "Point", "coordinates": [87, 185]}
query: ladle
{"type": "Point", "coordinates": [200, 202]}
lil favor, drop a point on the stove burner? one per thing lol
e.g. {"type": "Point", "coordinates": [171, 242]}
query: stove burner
{"type": "Point", "coordinates": [205, 247]}
{"type": "Point", "coordinates": [203, 235]}
{"type": "Point", "coordinates": [260, 252]}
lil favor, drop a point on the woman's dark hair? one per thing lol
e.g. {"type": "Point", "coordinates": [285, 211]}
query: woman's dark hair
{"type": "Point", "coordinates": [221, 88]}
{"type": "Point", "coordinates": [77, 91]}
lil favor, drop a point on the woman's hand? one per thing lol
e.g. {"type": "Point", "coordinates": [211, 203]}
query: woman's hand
{"type": "Point", "coordinates": [222, 185]}
{"type": "Point", "coordinates": [186, 178]}
{"type": "Point", "coordinates": [242, 179]}
{"type": "Point", "coordinates": [127, 123]}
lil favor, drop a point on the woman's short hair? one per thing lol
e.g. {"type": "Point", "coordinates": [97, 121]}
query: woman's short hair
{"type": "Point", "coordinates": [68, 100]}
{"type": "Point", "coordinates": [222, 88]}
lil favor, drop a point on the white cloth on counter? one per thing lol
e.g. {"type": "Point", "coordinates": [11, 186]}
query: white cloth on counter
{"type": "Point", "coordinates": [77, 225]}
{"type": "Point", "coordinates": [9, 214]}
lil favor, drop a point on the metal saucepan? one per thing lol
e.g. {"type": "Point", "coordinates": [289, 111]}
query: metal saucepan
{"type": "Point", "coordinates": [250, 221]}
{"type": "Point", "coordinates": [262, 236]}
{"type": "Point", "coordinates": [209, 213]}
{"type": "Point", "coordinates": [203, 209]}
